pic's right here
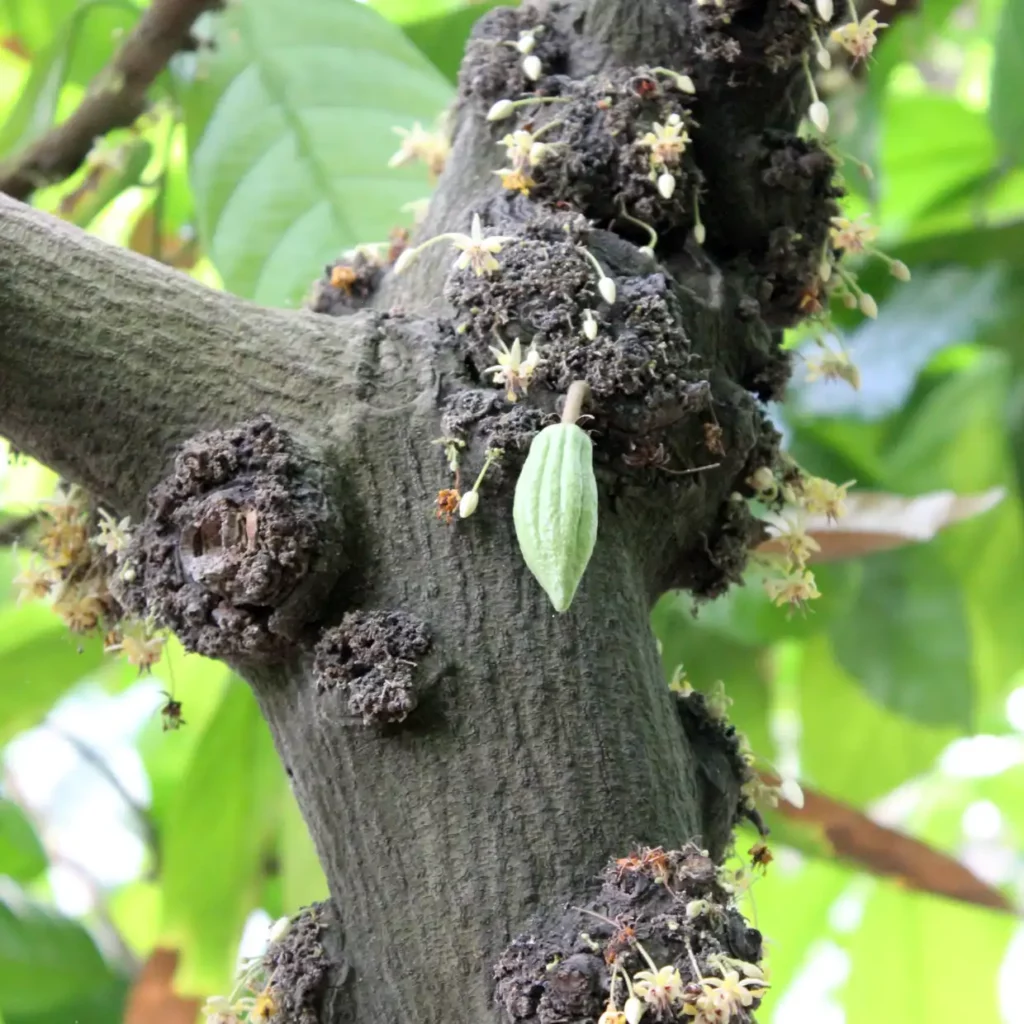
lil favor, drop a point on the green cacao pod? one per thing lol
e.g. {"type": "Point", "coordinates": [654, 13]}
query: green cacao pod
{"type": "Point", "coordinates": [555, 510]}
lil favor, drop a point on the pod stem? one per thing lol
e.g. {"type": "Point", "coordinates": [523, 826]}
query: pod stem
{"type": "Point", "coordinates": [579, 392]}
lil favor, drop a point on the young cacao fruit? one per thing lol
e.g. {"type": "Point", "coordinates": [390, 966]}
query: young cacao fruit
{"type": "Point", "coordinates": [555, 510]}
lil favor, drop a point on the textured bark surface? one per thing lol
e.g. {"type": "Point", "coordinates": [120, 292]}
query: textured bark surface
{"type": "Point", "coordinates": [540, 745]}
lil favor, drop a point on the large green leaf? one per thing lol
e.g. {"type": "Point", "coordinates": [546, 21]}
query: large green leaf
{"type": "Point", "coordinates": [1005, 110]}
{"type": "Point", "coordinates": [21, 854]}
{"type": "Point", "coordinates": [290, 126]}
{"type": "Point", "coordinates": [303, 878]}
{"type": "Point", "coordinates": [40, 660]}
{"type": "Point", "coordinates": [709, 655]}
{"type": "Point", "coordinates": [930, 144]}
{"type": "Point", "coordinates": [222, 821]}
{"type": "Point", "coordinates": [906, 639]}
{"type": "Point", "coordinates": [791, 905]}
{"type": "Point", "coordinates": [104, 1006]}
{"type": "Point", "coordinates": [844, 731]}
{"type": "Point", "coordinates": [36, 24]}
{"type": "Point", "coordinates": [199, 684]}
{"type": "Point", "coordinates": [938, 308]}
{"type": "Point", "coordinates": [70, 40]}
{"type": "Point", "coordinates": [443, 37]}
{"type": "Point", "coordinates": [45, 960]}
{"type": "Point", "coordinates": [904, 938]}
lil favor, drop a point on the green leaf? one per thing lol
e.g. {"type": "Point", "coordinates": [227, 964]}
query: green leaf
{"type": "Point", "coordinates": [290, 129]}
{"type": "Point", "coordinates": [105, 1006]}
{"type": "Point", "coordinates": [708, 655]}
{"type": "Point", "coordinates": [303, 878]}
{"type": "Point", "coordinates": [199, 684]}
{"type": "Point", "coordinates": [21, 854]}
{"type": "Point", "coordinates": [931, 143]}
{"type": "Point", "coordinates": [37, 23]}
{"type": "Point", "coordinates": [443, 37]}
{"type": "Point", "coordinates": [903, 938]}
{"type": "Point", "coordinates": [935, 309]}
{"type": "Point", "coordinates": [218, 829]}
{"type": "Point", "coordinates": [791, 907]}
{"type": "Point", "coordinates": [45, 959]}
{"type": "Point", "coordinates": [41, 661]}
{"type": "Point", "coordinates": [906, 639]}
{"type": "Point", "coordinates": [36, 108]}
{"type": "Point", "coordinates": [75, 40]}
{"type": "Point", "coordinates": [844, 729]}
{"type": "Point", "coordinates": [1005, 110]}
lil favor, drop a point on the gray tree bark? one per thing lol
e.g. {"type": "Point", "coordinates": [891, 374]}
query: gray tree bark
{"type": "Point", "coordinates": [542, 744]}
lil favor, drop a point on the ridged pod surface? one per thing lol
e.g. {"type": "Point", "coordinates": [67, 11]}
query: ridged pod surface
{"type": "Point", "coordinates": [555, 510]}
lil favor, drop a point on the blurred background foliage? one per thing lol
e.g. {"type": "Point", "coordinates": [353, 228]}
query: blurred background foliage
{"type": "Point", "coordinates": [128, 853]}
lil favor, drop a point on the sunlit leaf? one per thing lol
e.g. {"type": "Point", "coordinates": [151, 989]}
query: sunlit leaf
{"type": "Point", "coordinates": [844, 729]}
{"type": "Point", "coordinates": [99, 26]}
{"type": "Point", "coordinates": [303, 878]}
{"type": "Point", "coordinates": [45, 959]}
{"type": "Point", "coordinates": [1005, 110]}
{"type": "Point", "coordinates": [442, 37]}
{"type": "Point", "coordinates": [935, 309]}
{"type": "Point", "coordinates": [906, 639]}
{"type": "Point", "coordinates": [931, 143]}
{"type": "Point", "coordinates": [21, 854]}
{"type": "Point", "coordinates": [216, 834]}
{"type": "Point", "coordinates": [791, 905]}
{"type": "Point", "coordinates": [903, 939]}
{"type": "Point", "coordinates": [290, 127]}
{"type": "Point", "coordinates": [41, 661]}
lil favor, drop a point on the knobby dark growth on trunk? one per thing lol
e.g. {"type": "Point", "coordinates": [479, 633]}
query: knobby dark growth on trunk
{"type": "Point", "coordinates": [468, 761]}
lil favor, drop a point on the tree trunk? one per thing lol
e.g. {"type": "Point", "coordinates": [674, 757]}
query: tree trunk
{"type": "Point", "coordinates": [521, 748]}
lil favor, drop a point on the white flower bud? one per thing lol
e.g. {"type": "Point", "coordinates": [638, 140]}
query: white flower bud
{"type": "Point", "coordinates": [279, 929]}
{"type": "Point", "coordinates": [537, 151]}
{"type": "Point", "coordinates": [606, 286]}
{"type": "Point", "coordinates": [403, 262]}
{"type": "Point", "coordinates": [526, 43]}
{"type": "Point", "coordinates": [501, 110]}
{"type": "Point", "coordinates": [532, 67]}
{"type": "Point", "coordinates": [666, 185]}
{"type": "Point", "coordinates": [695, 908]}
{"type": "Point", "coordinates": [900, 270]}
{"type": "Point", "coordinates": [700, 233]}
{"type": "Point", "coordinates": [762, 479]}
{"type": "Point", "coordinates": [818, 114]}
{"type": "Point", "coordinates": [790, 791]}
{"type": "Point", "coordinates": [468, 504]}
{"type": "Point", "coordinates": [589, 325]}
{"type": "Point", "coordinates": [868, 306]}
{"type": "Point", "coordinates": [825, 9]}
{"type": "Point", "coordinates": [646, 250]}
{"type": "Point", "coordinates": [824, 58]}
{"type": "Point", "coordinates": [685, 84]}
{"type": "Point", "coordinates": [633, 1010]}
{"type": "Point", "coordinates": [825, 270]}
{"type": "Point", "coordinates": [850, 300]}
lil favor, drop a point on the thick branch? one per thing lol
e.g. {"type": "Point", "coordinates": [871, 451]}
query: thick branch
{"type": "Point", "coordinates": [116, 98]}
{"type": "Point", "coordinates": [109, 360]}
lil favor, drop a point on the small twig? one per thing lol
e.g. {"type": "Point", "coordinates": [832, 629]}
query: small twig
{"type": "Point", "coordinates": [141, 815]}
{"type": "Point", "coordinates": [116, 98]}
